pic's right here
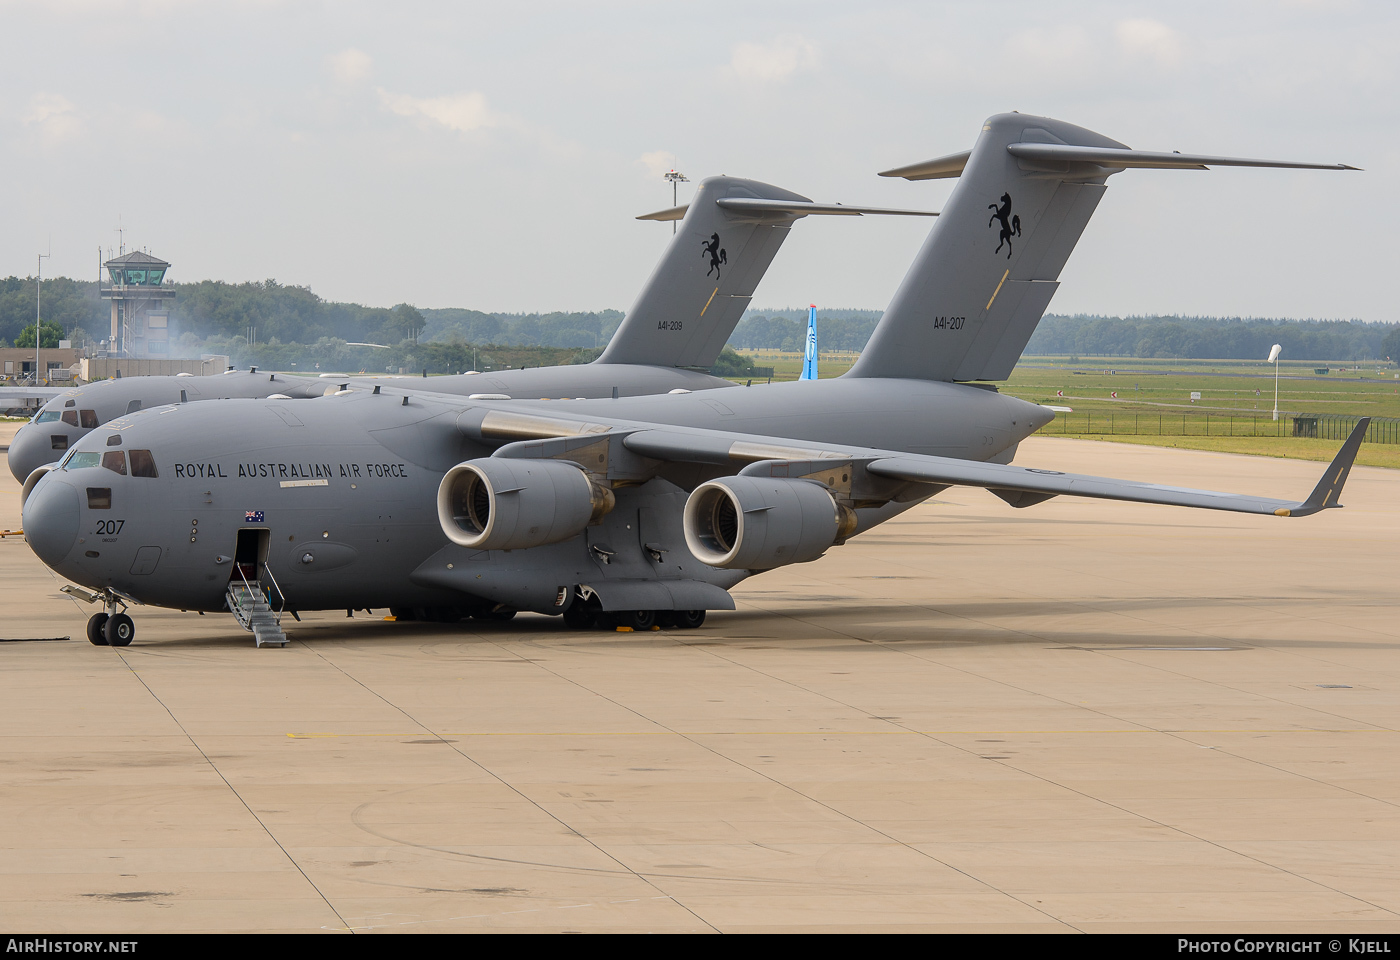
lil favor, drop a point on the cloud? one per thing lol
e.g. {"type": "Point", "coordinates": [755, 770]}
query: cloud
{"type": "Point", "coordinates": [776, 61]}
{"type": "Point", "coordinates": [350, 66]}
{"type": "Point", "coordinates": [1066, 47]}
{"type": "Point", "coordinates": [53, 114]}
{"type": "Point", "coordinates": [1150, 40]}
{"type": "Point", "coordinates": [658, 162]}
{"type": "Point", "coordinates": [463, 112]}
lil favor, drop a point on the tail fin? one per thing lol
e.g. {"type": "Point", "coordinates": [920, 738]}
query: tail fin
{"type": "Point", "coordinates": [699, 290]}
{"type": "Point", "coordinates": [809, 356]}
{"type": "Point", "coordinates": [985, 276]}
{"type": "Point", "coordinates": [703, 283]}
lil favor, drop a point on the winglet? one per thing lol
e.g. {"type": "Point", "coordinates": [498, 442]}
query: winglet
{"type": "Point", "coordinates": [1329, 489]}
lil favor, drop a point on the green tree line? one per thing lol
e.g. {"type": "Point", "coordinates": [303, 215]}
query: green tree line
{"type": "Point", "coordinates": [1214, 338]}
{"type": "Point", "coordinates": [281, 324]}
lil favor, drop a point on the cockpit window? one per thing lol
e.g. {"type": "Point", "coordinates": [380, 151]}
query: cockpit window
{"type": "Point", "coordinates": [82, 458]}
{"type": "Point", "coordinates": [99, 498]}
{"type": "Point", "coordinates": [47, 416]}
{"type": "Point", "coordinates": [89, 419]}
{"type": "Point", "coordinates": [71, 403]}
{"type": "Point", "coordinates": [70, 417]}
{"type": "Point", "coordinates": [143, 464]}
{"type": "Point", "coordinates": [58, 441]}
{"type": "Point", "coordinates": [115, 461]}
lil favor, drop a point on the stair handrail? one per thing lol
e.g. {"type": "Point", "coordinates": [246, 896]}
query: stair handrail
{"type": "Point", "coordinates": [282, 597]}
{"type": "Point", "coordinates": [248, 586]}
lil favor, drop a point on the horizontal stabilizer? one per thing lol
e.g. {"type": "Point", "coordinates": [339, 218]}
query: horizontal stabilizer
{"type": "Point", "coordinates": [1119, 158]}
{"type": "Point", "coordinates": [805, 208]}
{"type": "Point", "coordinates": [939, 169]}
{"type": "Point", "coordinates": [1124, 158]}
{"type": "Point", "coordinates": [670, 213]}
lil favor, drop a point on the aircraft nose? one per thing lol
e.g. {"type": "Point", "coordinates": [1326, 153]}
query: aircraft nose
{"type": "Point", "coordinates": [51, 518]}
{"type": "Point", "coordinates": [30, 449]}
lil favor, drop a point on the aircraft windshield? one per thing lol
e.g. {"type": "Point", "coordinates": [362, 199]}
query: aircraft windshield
{"type": "Point", "coordinates": [47, 416]}
{"type": "Point", "coordinates": [82, 458]}
{"type": "Point", "coordinates": [143, 464]}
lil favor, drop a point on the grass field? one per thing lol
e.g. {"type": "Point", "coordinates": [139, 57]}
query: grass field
{"type": "Point", "coordinates": [1154, 405]}
{"type": "Point", "coordinates": [1227, 387]}
{"type": "Point", "coordinates": [1292, 448]}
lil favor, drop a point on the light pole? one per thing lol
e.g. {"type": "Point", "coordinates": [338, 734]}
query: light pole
{"type": "Point", "coordinates": [1273, 358]}
{"type": "Point", "coordinates": [676, 179]}
{"type": "Point", "coordinates": [38, 295]}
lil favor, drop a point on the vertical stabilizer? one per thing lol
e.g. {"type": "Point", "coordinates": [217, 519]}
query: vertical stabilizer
{"type": "Point", "coordinates": [809, 356]}
{"type": "Point", "coordinates": [987, 271]}
{"type": "Point", "coordinates": [703, 283]}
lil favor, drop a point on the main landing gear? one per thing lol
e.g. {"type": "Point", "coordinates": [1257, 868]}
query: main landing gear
{"type": "Point", "coordinates": [586, 615]}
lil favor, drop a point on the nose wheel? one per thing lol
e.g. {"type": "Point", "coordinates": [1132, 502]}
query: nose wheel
{"type": "Point", "coordinates": [119, 630]}
{"type": "Point", "coordinates": [110, 630]}
{"type": "Point", "coordinates": [96, 627]}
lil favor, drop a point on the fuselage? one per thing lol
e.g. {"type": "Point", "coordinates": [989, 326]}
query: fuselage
{"type": "Point", "coordinates": [337, 496]}
{"type": "Point", "coordinates": [69, 417]}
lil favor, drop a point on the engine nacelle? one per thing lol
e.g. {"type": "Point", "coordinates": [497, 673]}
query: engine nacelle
{"type": "Point", "coordinates": [757, 523]}
{"type": "Point", "coordinates": [498, 503]}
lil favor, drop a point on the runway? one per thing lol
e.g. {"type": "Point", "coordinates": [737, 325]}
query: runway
{"type": "Point", "coordinates": [1081, 716]}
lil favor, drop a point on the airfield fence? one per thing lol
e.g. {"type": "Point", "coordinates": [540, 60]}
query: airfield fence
{"type": "Point", "coordinates": [1320, 425]}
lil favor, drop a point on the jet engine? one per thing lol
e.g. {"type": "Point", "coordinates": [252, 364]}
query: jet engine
{"type": "Point", "coordinates": [757, 523]}
{"type": "Point", "coordinates": [506, 504]}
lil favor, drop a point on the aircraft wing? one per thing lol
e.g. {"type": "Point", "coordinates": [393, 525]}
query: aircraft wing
{"type": "Point", "coordinates": [1018, 486]}
{"type": "Point", "coordinates": [43, 393]}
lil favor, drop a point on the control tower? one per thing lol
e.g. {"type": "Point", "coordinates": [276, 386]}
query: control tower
{"type": "Point", "coordinates": [140, 305]}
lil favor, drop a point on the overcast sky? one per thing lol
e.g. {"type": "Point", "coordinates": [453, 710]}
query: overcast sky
{"type": "Point", "coordinates": [494, 155]}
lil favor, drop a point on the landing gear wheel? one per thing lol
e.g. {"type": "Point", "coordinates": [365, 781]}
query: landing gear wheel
{"type": "Point", "coordinates": [689, 619]}
{"type": "Point", "coordinates": [119, 630]}
{"type": "Point", "coordinates": [95, 625]}
{"type": "Point", "coordinates": [636, 619]}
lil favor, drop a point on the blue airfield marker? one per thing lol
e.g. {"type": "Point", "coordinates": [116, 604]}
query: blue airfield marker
{"type": "Point", "coordinates": [809, 360]}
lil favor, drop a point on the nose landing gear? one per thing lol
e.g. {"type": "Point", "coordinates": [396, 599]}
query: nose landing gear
{"type": "Point", "coordinates": [109, 629]}
{"type": "Point", "coordinates": [96, 629]}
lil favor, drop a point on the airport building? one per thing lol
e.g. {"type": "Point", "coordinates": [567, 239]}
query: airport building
{"type": "Point", "coordinates": [60, 364]}
{"type": "Point", "coordinates": [141, 301]}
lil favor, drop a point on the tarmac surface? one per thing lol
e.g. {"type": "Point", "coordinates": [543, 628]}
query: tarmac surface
{"type": "Point", "coordinates": [1081, 716]}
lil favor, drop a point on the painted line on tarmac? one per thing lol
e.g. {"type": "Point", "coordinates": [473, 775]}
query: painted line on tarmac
{"type": "Point", "coordinates": [841, 733]}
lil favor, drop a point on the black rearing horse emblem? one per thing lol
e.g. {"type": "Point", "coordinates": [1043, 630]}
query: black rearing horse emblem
{"type": "Point", "coordinates": [717, 256]}
{"type": "Point", "coordinates": [1010, 226]}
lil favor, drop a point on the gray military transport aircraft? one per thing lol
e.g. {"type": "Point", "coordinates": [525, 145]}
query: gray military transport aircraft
{"type": "Point", "coordinates": [633, 511]}
{"type": "Point", "coordinates": [730, 235]}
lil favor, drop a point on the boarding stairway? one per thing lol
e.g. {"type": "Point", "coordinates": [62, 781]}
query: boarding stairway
{"type": "Point", "coordinates": [248, 601]}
